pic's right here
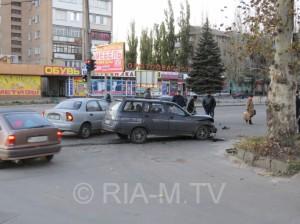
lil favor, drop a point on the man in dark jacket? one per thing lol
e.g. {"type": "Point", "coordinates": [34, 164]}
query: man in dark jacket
{"type": "Point", "coordinates": [298, 110]}
{"type": "Point", "coordinates": [209, 104]}
{"type": "Point", "coordinates": [147, 94]}
{"type": "Point", "coordinates": [191, 105]}
{"type": "Point", "coordinates": [179, 99]}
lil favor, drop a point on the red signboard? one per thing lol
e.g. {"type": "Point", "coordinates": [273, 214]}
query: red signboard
{"type": "Point", "coordinates": [110, 58]}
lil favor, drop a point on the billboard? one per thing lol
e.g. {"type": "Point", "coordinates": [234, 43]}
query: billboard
{"type": "Point", "coordinates": [20, 85]}
{"type": "Point", "coordinates": [110, 58]}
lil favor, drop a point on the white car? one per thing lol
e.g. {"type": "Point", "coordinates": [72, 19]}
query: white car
{"type": "Point", "coordinates": [79, 115]}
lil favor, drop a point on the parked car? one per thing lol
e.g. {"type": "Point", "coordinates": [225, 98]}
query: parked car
{"type": "Point", "coordinates": [26, 134]}
{"type": "Point", "coordinates": [138, 118]}
{"type": "Point", "coordinates": [82, 116]}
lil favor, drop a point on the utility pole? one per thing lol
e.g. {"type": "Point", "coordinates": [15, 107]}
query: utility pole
{"type": "Point", "coordinates": [87, 54]}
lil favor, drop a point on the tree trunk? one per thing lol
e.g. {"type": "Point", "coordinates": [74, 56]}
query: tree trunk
{"type": "Point", "coordinates": [281, 111]}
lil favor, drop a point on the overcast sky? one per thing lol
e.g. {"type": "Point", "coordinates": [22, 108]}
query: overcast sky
{"type": "Point", "coordinates": [147, 12]}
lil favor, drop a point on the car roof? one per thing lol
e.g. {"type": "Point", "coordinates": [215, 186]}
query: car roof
{"type": "Point", "coordinates": [147, 100]}
{"type": "Point", "coordinates": [16, 110]}
{"type": "Point", "coordinates": [83, 99]}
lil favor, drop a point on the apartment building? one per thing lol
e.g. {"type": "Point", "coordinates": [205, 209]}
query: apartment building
{"type": "Point", "coordinates": [51, 31]}
{"type": "Point", "coordinates": [11, 30]}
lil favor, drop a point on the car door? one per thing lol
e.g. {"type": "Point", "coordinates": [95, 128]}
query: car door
{"type": "Point", "coordinates": [180, 122]}
{"type": "Point", "coordinates": [95, 114]}
{"type": "Point", "coordinates": [156, 118]}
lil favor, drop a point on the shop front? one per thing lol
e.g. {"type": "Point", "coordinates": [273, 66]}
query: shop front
{"type": "Point", "coordinates": [170, 82]}
{"type": "Point", "coordinates": [59, 81]}
{"type": "Point", "coordinates": [116, 84]}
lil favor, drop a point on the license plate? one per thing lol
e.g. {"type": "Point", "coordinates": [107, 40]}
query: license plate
{"type": "Point", "coordinates": [107, 121]}
{"type": "Point", "coordinates": [38, 139]}
{"type": "Point", "coordinates": [53, 117]}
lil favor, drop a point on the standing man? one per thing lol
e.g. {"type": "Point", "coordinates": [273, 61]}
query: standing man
{"type": "Point", "coordinates": [298, 110]}
{"type": "Point", "coordinates": [179, 99]}
{"type": "Point", "coordinates": [191, 105]}
{"type": "Point", "coordinates": [250, 109]}
{"type": "Point", "coordinates": [147, 94]}
{"type": "Point", "coordinates": [209, 105]}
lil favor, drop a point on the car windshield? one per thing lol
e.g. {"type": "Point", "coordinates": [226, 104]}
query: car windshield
{"type": "Point", "coordinates": [69, 105]}
{"type": "Point", "coordinates": [19, 121]}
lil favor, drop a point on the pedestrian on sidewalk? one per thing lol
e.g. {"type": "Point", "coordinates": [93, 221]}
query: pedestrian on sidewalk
{"type": "Point", "coordinates": [209, 104]}
{"type": "Point", "coordinates": [250, 110]}
{"type": "Point", "coordinates": [298, 110]}
{"type": "Point", "coordinates": [179, 99]}
{"type": "Point", "coordinates": [108, 98]}
{"type": "Point", "coordinates": [191, 105]}
{"type": "Point", "coordinates": [147, 94]}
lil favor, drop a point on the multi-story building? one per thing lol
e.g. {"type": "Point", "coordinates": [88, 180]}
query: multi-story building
{"type": "Point", "coordinates": [11, 30]}
{"type": "Point", "coordinates": [51, 31]}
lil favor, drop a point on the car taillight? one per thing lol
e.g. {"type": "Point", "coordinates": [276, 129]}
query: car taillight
{"type": "Point", "coordinates": [59, 135]}
{"type": "Point", "coordinates": [69, 116]}
{"type": "Point", "coordinates": [11, 140]}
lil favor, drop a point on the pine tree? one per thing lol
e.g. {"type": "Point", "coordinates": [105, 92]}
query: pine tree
{"type": "Point", "coordinates": [156, 45]}
{"type": "Point", "coordinates": [163, 44]}
{"type": "Point", "coordinates": [207, 67]}
{"type": "Point", "coordinates": [132, 41]}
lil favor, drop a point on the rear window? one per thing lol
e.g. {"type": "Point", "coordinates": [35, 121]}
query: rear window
{"type": "Point", "coordinates": [19, 121]}
{"type": "Point", "coordinates": [69, 105]}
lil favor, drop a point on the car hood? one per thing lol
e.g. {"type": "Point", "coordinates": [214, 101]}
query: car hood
{"type": "Point", "coordinates": [202, 118]}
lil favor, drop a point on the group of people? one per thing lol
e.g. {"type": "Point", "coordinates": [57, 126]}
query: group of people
{"type": "Point", "coordinates": [208, 103]}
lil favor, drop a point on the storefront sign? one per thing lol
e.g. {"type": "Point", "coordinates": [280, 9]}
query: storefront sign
{"type": "Point", "coordinates": [119, 74]}
{"type": "Point", "coordinates": [169, 75]}
{"type": "Point", "coordinates": [110, 58]}
{"type": "Point", "coordinates": [20, 85]}
{"type": "Point", "coordinates": [60, 70]}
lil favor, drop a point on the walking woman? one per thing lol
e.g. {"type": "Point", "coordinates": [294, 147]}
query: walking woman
{"type": "Point", "coordinates": [250, 109]}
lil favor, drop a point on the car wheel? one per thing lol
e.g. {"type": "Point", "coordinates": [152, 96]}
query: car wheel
{"type": "Point", "coordinates": [138, 135]}
{"type": "Point", "coordinates": [202, 133]}
{"type": "Point", "coordinates": [49, 158]}
{"type": "Point", "coordinates": [85, 130]}
{"type": "Point", "coordinates": [3, 164]}
{"type": "Point", "coordinates": [122, 136]}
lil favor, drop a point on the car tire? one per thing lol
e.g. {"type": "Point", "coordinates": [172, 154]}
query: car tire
{"type": "Point", "coordinates": [202, 133]}
{"type": "Point", "coordinates": [138, 135]}
{"type": "Point", "coordinates": [49, 158]}
{"type": "Point", "coordinates": [3, 164]}
{"type": "Point", "coordinates": [122, 136]}
{"type": "Point", "coordinates": [85, 131]}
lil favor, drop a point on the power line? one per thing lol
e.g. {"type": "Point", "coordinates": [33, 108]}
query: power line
{"type": "Point", "coordinates": [10, 3]}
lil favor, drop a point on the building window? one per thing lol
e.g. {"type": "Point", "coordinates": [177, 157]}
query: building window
{"type": "Point", "coordinates": [74, 16]}
{"type": "Point", "coordinates": [61, 15]}
{"type": "Point", "coordinates": [62, 31]}
{"type": "Point", "coordinates": [16, 42]}
{"type": "Point", "coordinates": [16, 50]}
{"type": "Point", "coordinates": [37, 3]}
{"type": "Point", "coordinates": [15, 27]}
{"type": "Point", "coordinates": [16, 11]}
{"type": "Point", "coordinates": [16, 34]}
{"type": "Point", "coordinates": [100, 4]}
{"type": "Point", "coordinates": [66, 49]}
{"type": "Point", "coordinates": [37, 51]}
{"type": "Point", "coordinates": [14, 19]}
{"type": "Point", "coordinates": [29, 52]}
{"type": "Point", "coordinates": [36, 34]}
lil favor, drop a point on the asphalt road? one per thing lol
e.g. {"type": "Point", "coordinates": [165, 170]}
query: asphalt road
{"type": "Point", "coordinates": [167, 180]}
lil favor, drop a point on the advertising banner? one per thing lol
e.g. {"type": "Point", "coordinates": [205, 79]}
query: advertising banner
{"type": "Point", "coordinates": [110, 58]}
{"type": "Point", "coordinates": [80, 87]}
{"type": "Point", "coordinates": [20, 85]}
